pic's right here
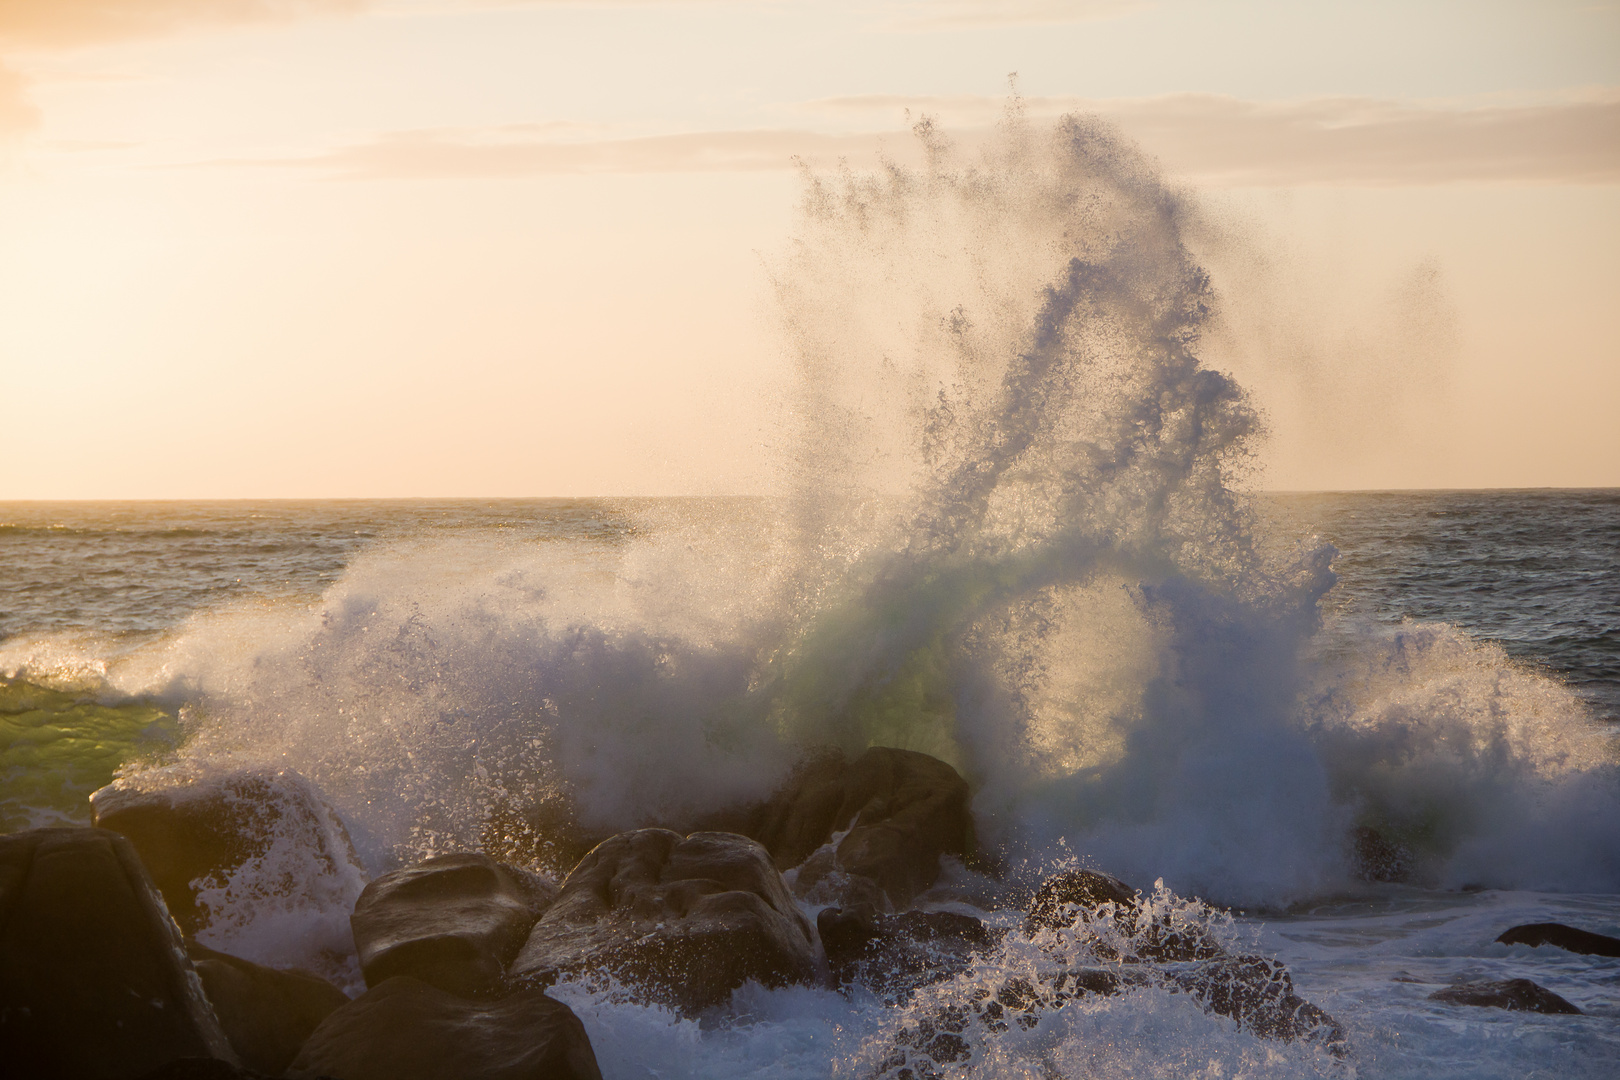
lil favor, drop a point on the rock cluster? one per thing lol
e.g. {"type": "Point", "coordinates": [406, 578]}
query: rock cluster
{"type": "Point", "coordinates": [104, 977]}
{"type": "Point", "coordinates": [101, 979]}
{"type": "Point", "coordinates": [1140, 948]}
{"type": "Point", "coordinates": [1523, 995]}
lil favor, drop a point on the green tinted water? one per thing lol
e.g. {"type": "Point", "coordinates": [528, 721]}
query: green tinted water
{"type": "Point", "coordinates": [57, 747]}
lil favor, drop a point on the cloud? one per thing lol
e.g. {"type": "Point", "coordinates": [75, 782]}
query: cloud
{"type": "Point", "coordinates": [1357, 141]}
{"type": "Point", "coordinates": [1223, 140]}
{"type": "Point", "coordinates": [532, 150]}
{"type": "Point", "coordinates": [1206, 138]}
{"type": "Point", "coordinates": [55, 23]}
{"type": "Point", "coordinates": [17, 114]}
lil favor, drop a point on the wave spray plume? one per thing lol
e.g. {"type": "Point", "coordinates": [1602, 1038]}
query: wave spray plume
{"type": "Point", "coordinates": [1013, 533]}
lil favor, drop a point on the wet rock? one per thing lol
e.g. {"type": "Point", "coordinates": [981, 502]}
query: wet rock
{"type": "Point", "coordinates": [923, 1050]}
{"type": "Point", "coordinates": [687, 920]}
{"type": "Point", "coordinates": [933, 1041]}
{"type": "Point", "coordinates": [455, 922]}
{"type": "Point", "coordinates": [1021, 1001]}
{"type": "Point", "coordinates": [191, 834]}
{"type": "Point", "coordinates": [894, 955]}
{"type": "Point", "coordinates": [1164, 941]}
{"type": "Point", "coordinates": [1081, 896]}
{"type": "Point", "coordinates": [819, 880]}
{"type": "Point", "coordinates": [266, 1013]}
{"type": "Point", "coordinates": [1160, 942]}
{"type": "Point", "coordinates": [1375, 857]}
{"type": "Point", "coordinates": [96, 982]}
{"type": "Point", "coordinates": [1256, 992]}
{"type": "Point", "coordinates": [404, 1029]}
{"type": "Point", "coordinates": [1062, 896]}
{"type": "Point", "coordinates": [1259, 994]}
{"type": "Point", "coordinates": [899, 810]}
{"type": "Point", "coordinates": [192, 1068]}
{"type": "Point", "coordinates": [1083, 981]}
{"type": "Point", "coordinates": [1518, 994]}
{"type": "Point", "coordinates": [1562, 937]}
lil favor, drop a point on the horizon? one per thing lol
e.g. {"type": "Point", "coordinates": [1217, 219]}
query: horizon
{"type": "Point", "coordinates": [1260, 492]}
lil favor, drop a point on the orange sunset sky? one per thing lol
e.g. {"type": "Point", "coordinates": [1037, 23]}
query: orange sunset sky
{"type": "Point", "coordinates": [339, 248]}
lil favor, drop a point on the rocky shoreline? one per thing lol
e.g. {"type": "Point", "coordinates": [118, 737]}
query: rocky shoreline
{"type": "Point", "coordinates": [104, 977]}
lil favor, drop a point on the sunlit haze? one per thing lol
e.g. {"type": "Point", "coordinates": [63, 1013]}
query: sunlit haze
{"type": "Point", "coordinates": [332, 248]}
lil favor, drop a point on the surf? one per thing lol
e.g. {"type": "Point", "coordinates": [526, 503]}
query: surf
{"type": "Point", "coordinates": [1016, 528]}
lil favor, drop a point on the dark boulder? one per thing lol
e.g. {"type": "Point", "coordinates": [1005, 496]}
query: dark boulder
{"type": "Point", "coordinates": [266, 1013]}
{"type": "Point", "coordinates": [685, 919]}
{"type": "Point", "coordinates": [1081, 896]}
{"type": "Point", "coordinates": [455, 922]}
{"type": "Point", "coordinates": [1562, 937]}
{"type": "Point", "coordinates": [902, 810]}
{"type": "Point", "coordinates": [1172, 946]}
{"type": "Point", "coordinates": [193, 1068]}
{"type": "Point", "coordinates": [1521, 995]}
{"type": "Point", "coordinates": [1256, 992]}
{"type": "Point", "coordinates": [1165, 940]}
{"type": "Point", "coordinates": [1074, 893]}
{"type": "Point", "coordinates": [1259, 994]}
{"type": "Point", "coordinates": [1022, 1001]}
{"type": "Point", "coordinates": [1079, 982]}
{"type": "Point", "coordinates": [924, 1049]}
{"type": "Point", "coordinates": [894, 955]}
{"type": "Point", "coordinates": [96, 982]}
{"type": "Point", "coordinates": [404, 1029]}
{"type": "Point", "coordinates": [940, 1038]}
{"type": "Point", "coordinates": [194, 833]}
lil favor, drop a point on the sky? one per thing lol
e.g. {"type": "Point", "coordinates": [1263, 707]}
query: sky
{"type": "Point", "coordinates": [340, 248]}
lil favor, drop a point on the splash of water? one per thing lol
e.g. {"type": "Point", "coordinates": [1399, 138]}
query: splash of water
{"type": "Point", "coordinates": [1013, 534]}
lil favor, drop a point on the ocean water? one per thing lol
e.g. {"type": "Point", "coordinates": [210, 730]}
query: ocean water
{"type": "Point", "coordinates": [1015, 530]}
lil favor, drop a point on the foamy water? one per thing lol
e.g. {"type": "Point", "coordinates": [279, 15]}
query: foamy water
{"type": "Point", "coordinates": [1012, 532]}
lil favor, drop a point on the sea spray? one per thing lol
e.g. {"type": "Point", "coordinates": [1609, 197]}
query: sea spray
{"type": "Point", "coordinates": [1001, 355]}
{"type": "Point", "coordinates": [1490, 773]}
{"type": "Point", "coordinates": [1046, 435]}
{"type": "Point", "coordinates": [1013, 531]}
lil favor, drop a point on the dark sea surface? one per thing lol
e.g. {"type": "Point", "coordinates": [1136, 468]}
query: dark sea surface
{"type": "Point", "coordinates": [141, 567]}
{"type": "Point", "coordinates": [1537, 572]}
